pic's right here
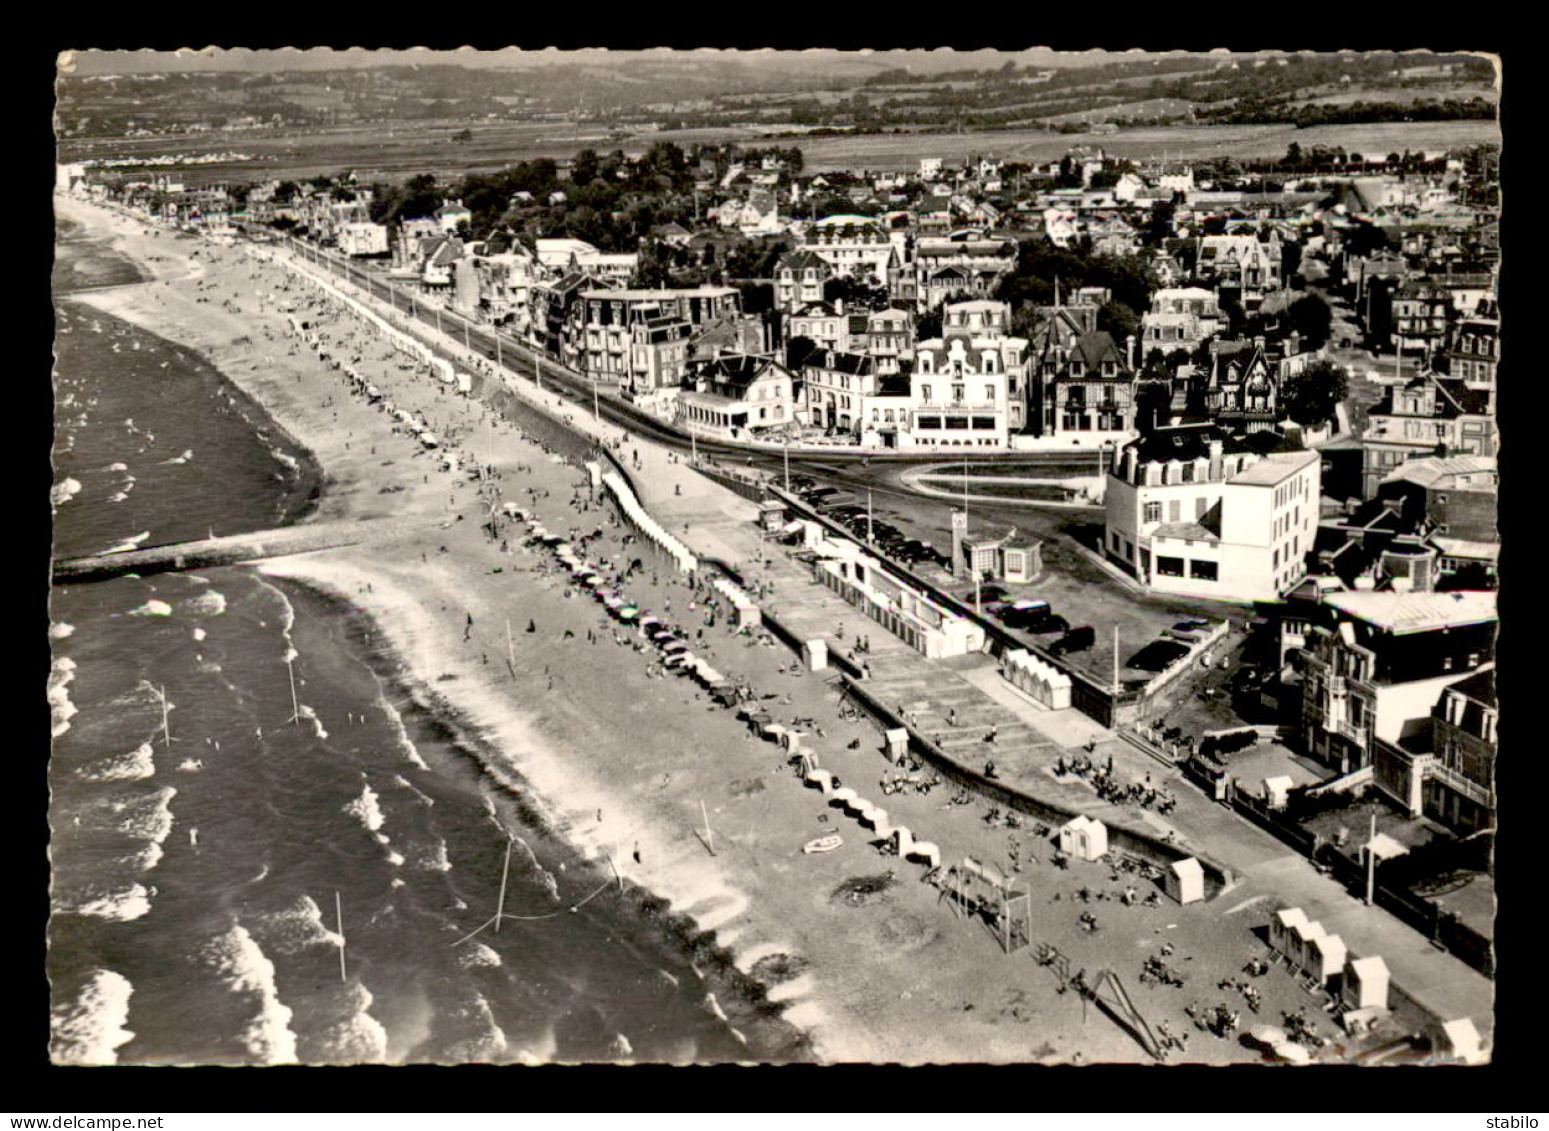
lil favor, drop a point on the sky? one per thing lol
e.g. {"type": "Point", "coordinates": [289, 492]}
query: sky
{"type": "Point", "coordinates": [92, 62]}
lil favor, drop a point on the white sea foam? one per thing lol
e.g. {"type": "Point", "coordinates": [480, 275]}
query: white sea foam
{"type": "Point", "coordinates": [90, 1029]}
{"type": "Point", "coordinates": [60, 630]}
{"type": "Point", "coordinates": [240, 960]}
{"type": "Point", "coordinates": [489, 1043]}
{"type": "Point", "coordinates": [410, 787]}
{"type": "Point", "coordinates": [298, 927]}
{"type": "Point", "coordinates": [117, 906]}
{"type": "Point", "coordinates": [129, 544]}
{"type": "Point", "coordinates": [210, 603]}
{"type": "Point", "coordinates": [404, 743]}
{"type": "Point", "coordinates": [433, 859]}
{"type": "Point", "coordinates": [475, 955]}
{"type": "Point", "coordinates": [148, 817]}
{"type": "Point", "coordinates": [133, 766]}
{"type": "Point", "coordinates": [151, 608]}
{"type": "Point", "coordinates": [187, 455]}
{"type": "Point", "coordinates": [146, 858]}
{"type": "Point", "coordinates": [199, 634]}
{"type": "Point", "coordinates": [118, 497]}
{"type": "Point", "coordinates": [309, 714]}
{"type": "Point", "coordinates": [60, 707]}
{"type": "Point", "coordinates": [286, 458]}
{"type": "Point", "coordinates": [360, 1038]}
{"type": "Point", "coordinates": [116, 467]}
{"type": "Point", "coordinates": [190, 765]}
{"type": "Point", "coordinates": [63, 491]}
{"type": "Point", "coordinates": [364, 808]}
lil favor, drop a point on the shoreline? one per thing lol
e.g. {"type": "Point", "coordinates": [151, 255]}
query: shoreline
{"type": "Point", "coordinates": [661, 909]}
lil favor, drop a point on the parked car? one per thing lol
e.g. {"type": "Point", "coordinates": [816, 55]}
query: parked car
{"type": "Point", "coordinates": [1158, 656]}
{"type": "Point", "coordinates": [1076, 640]}
{"type": "Point", "coordinates": [1045, 624]}
{"type": "Point", "coordinates": [1190, 631]}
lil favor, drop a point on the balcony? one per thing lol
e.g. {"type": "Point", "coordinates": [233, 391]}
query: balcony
{"type": "Point", "coordinates": [1461, 785]}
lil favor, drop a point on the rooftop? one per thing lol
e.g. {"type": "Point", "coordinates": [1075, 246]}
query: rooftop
{"type": "Point", "coordinates": [1274, 468]}
{"type": "Point", "coordinates": [1416, 612]}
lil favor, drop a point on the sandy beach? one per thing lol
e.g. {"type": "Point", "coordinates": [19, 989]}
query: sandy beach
{"type": "Point", "coordinates": [626, 763]}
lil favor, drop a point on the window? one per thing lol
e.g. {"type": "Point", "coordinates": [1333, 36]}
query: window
{"type": "Point", "coordinates": [1204, 571]}
{"type": "Point", "coordinates": [1173, 507]}
{"type": "Point", "coordinates": [925, 393]}
{"type": "Point", "coordinates": [1201, 505]}
{"type": "Point", "coordinates": [1152, 512]}
{"type": "Point", "coordinates": [1169, 567]}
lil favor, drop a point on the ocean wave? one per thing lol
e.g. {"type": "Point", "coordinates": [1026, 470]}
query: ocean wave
{"type": "Point", "coordinates": [63, 491]}
{"type": "Point", "coordinates": [136, 765]}
{"type": "Point", "coordinates": [210, 603]}
{"type": "Point", "coordinates": [402, 734]}
{"type": "Point", "coordinates": [365, 809]}
{"type": "Point", "coordinates": [148, 817]}
{"type": "Point", "coordinates": [476, 956]}
{"type": "Point", "coordinates": [188, 454]}
{"type": "Point", "coordinates": [90, 1029]}
{"type": "Point", "coordinates": [485, 1044]}
{"type": "Point", "coordinates": [433, 859]}
{"type": "Point", "coordinates": [360, 1038]}
{"type": "Point", "coordinates": [60, 630]}
{"type": "Point", "coordinates": [296, 928]}
{"type": "Point", "coordinates": [429, 801]}
{"type": "Point", "coordinates": [151, 608]}
{"type": "Point", "coordinates": [190, 765]}
{"type": "Point", "coordinates": [146, 858]}
{"type": "Point", "coordinates": [60, 707]}
{"type": "Point", "coordinates": [119, 906]}
{"type": "Point", "coordinates": [287, 459]}
{"type": "Point", "coordinates": [309, 714]}
{"type": "Point", "coordinates": [129, 544]}
{"type": "Point", "coordinates": [199, 634]}
{"type": "Point", "coordinates": [247, 970]}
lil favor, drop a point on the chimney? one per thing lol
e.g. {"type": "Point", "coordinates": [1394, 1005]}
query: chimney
{"type": "Point", "coordinates": [1216, 450]}
{"type": "Point", "coordinates": [1129, 352]}
{"type": "Point", "coordinates": [838, 306]}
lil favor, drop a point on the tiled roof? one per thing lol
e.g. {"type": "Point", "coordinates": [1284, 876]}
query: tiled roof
{"type": "Point", "coordinates": [1434, 471]}
{"type": "Point", "coordinates": [1191, 530]}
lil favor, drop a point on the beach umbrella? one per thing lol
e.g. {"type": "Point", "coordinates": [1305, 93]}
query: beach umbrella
{"type": "Point", "coordinates": [1295, 1053]}
{"type": "Point", "coordinates": [1268, 1035]}
{"type": "Point", "coordinates": [628, 612]}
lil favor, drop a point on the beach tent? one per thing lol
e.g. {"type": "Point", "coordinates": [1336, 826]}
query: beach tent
{"type": "Point", "coordinates": [1325, 957]}
{"type": "Point", "coordinates": [1281, 926]}
{"type": "Point", "coordinates": [1185, 880]}
{"type": "Point", "coordinates": [1302, 937]}
{"type": "Point", "coordinates": [1084, 838]}
{"type": "Point", "coordinates": [1462, 1041]}
{"type": "Point", "coordinates": [1366, 983]}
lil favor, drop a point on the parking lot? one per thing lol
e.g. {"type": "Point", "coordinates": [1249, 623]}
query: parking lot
{"type": "Point", "coordinates": [916, 532]}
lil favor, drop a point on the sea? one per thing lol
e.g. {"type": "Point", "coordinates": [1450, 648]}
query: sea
{"type": "Point", "coordinates": [266, 847]}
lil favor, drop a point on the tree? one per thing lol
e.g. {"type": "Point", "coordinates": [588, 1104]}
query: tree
{"type": "Point", "coordinates": [1153, 400]}
{"type": "Point", "coordinates": [798, 350]}
{"type": "Point", "coordinates": [1119, 320]}
{"type": "Point", "coordinates": [1311, 396]}
{"type": "Point", "coordinates": [1311, 318]}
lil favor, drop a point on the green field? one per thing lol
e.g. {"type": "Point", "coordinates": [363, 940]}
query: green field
{"type": "Point", "coordinates": [396, 151]}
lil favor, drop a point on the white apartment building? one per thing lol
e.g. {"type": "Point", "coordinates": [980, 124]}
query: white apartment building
{"type": "Point", "coordinates": [363, 239]}
{"type": "Point", "coordinates": [1186, 516]}
{"type": "Point", "coordinates": [852, 245]}
{"type": "Point", "coordinates": [969, 385]}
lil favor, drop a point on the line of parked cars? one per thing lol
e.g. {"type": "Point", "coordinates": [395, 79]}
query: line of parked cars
{"type": "Point", "coordinates": [1031, 615]}
{"type": "Point", "coordinates": [842, 508]}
